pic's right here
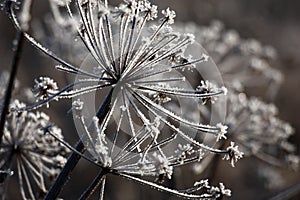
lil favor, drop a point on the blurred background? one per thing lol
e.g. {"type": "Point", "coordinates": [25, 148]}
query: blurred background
{"type": "Point", "coordinates": [272, 22]}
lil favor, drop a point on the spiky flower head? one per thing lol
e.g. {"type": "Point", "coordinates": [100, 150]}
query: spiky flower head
{"type": "Point", "coordinates": [240, 60]}
{"type": "Point", "coordinates": [44, 88]}
{"type": "Point", "coordinates": [126, 130]}
{"type": "Point", "coordinates": [259, 132]}
{"type": "Point", "coordinates": [33, 156]}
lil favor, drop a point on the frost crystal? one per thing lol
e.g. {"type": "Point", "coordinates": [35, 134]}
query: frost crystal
{"type": "Point", "coordinates": [233, 154]}
{"type": "Point", "coordinates": [221, 191]}
{"type": "Point", "coordinates": [169, 15]}
{"type": "Point", "coordinates": [222, 133]}
{"type": "Point", "coordinates": [183, 151]}
{"type": "Point", "coordinates": [207, 87]}
{"type": "Point", "coordinates": [162, 166]}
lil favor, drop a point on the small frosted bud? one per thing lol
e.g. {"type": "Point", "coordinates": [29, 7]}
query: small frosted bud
{"type": "Point", "coordinates": [233, 154]}
{"type": "Point", "coordinates": [169, 15]}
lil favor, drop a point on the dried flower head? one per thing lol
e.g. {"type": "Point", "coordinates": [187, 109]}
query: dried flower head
{"type": "Point", "coordinates": [32, 155]}
{"type": "Point", "coordinates": [254, 125]}
{"type": "Point", "coordinates": [245, 64]}
{"type": "Point", "coordinates": [44, 88]}
{"type": "Point", "coordinates": [135, 134]}
{"type": "Point", "coordinates": [245, 61]}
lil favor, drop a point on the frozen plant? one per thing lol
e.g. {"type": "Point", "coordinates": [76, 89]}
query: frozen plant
{"type": "Point", "coordinates": [247, 63]}
{"type": "Point", "coordinates": [132, 134]}
{"type": "Point", "coordinates": [255, 126]}
{"type": "Point", "coordinates": [31, 155]}
{"type": "Point", "coordinates": [146, 155]}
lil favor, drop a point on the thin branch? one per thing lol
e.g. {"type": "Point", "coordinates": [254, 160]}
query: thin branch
{"type": "Point", "coordinates": [18, 48]}
{"type": "Point", "coordinates": [46, 130]}
{"type": "Point", "coordinates": [16, 59]}
{"type": "Point", "coordinates": [94, 185]}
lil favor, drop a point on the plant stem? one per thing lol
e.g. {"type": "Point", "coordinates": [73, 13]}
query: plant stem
{"type": "Point", "coordinates": [94, 185]}
{"type": "Point", "coordinates": [74, 157]}
{"type": "Point", "coordinates": [18, 47]}
{"type": "Point", "coordinates": [65, 172]}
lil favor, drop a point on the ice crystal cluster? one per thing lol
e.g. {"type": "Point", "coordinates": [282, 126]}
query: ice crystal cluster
{"type": "Point", "coordinates": [30, 154]}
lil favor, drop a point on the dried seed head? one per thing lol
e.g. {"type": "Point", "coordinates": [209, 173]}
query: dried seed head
{"type": "Point", "coordinates": [31, 153]}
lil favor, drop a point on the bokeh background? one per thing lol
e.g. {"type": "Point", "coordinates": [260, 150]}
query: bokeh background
{"type": "Point", "coordinates": [272, 22]}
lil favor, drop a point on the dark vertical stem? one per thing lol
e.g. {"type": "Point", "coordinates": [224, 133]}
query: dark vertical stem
{"type": "Point", "coordinates": [74, 157]}
{"type": "Point", "coordinates": [65, 172]}
{"type": "Point", "coordinates": [94, 185]}
{"type": "Point", "coordinates": [18, 47]}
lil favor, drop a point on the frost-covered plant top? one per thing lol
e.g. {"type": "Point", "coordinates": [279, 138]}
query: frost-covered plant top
{"type": "Point", "coordinates": [246, 63]}
{"type": "Point", "coordinates": [255, 126]}
{"type": "Point", "coordinates": [33, 156]}
{"type": "Point", "coordinates": [137, 66]}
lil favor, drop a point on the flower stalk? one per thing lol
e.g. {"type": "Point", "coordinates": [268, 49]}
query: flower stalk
{"type": "Point", "coordinates": [18, 47]}
{"type": "Point", "coordinates": [75, 157]}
